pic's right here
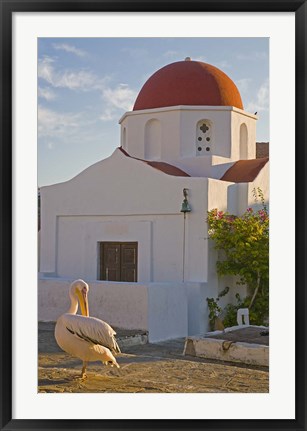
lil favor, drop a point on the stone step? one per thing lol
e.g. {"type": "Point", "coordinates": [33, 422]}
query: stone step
{"type": "Point", "coordinates": [132, 340]}
{"type": "Point", "coordinates": [241, 344]}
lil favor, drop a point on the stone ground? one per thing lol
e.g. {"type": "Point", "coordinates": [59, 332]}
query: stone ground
{"type": "Point", "coordinates": [144, 368]}
{"type": "Point", "coordinates": [251, 334]}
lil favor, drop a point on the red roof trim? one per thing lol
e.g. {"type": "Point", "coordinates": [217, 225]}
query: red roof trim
{"type": "Point", "coordinates": [161, 166]}
{"type": "Point", "coordinates": [244, 171]}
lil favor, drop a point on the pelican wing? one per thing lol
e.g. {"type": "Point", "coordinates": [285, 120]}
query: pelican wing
{"type": "Point", "coordinates": [92, 330]}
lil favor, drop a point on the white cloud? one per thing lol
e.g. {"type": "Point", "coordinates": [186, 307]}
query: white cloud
{"type": "Point", "coordinates": [261, 103]}
{"type": "Point", "coordinates": [121, 97]}
{"type": "Point", "coordinates": [73, 80]}
{"type": "Point", "coordinates": [243, 85]}
{"type": "Point", "coordinates": [108, 115]}
{"type": "Point", "coordinates": [69, 48]}
{"type": "Point", "coordinates": [76, 80]}
{"type": "Point", "coordinates": [45, 69]}
{"type": "Point", "coordinates": [223, 65]}
{"type": "Point", "coordinates": [46, 93]}
{"type": "Point", "coordinates": [51, 123]}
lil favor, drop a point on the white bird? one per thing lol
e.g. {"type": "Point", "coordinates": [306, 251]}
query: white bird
{"type": "Point", "coordinates": [84, 337]}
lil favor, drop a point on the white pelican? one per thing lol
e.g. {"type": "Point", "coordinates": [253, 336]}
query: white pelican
{"type": "Point", "coordinates": [84, 337]}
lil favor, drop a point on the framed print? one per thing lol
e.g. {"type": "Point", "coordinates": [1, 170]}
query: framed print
{"type": "Point", "coordinates": [137, 140]}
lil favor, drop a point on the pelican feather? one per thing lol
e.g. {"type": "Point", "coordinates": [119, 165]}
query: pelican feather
{"type": "Point", "coordinates": [84, 337]}
{"type": "Point", "coordinates": [92, 330]}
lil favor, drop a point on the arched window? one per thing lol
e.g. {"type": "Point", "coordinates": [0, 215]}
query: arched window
{"type": "Point", "coordinates": [204, 138]}
{"type": "Point", "coordinates": [243, 142]}
{"type": "Point", "coordinates": [153, 139]}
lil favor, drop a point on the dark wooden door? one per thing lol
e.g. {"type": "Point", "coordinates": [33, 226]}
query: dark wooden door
{"type": "Point", "coordinates": [118, 261]}
{"type": "Point", "coordinates": [110, 261]}
{"type": "Point", "coordinates": [129, 262]}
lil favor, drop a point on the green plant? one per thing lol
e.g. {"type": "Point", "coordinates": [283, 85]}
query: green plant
{"type": "Point", "coordinates": [214, 308]}
{"type": "Point", "coordinates": [244, 245]}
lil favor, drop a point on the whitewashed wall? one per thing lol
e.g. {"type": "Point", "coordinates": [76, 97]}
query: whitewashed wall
{"type": "Point", "coordinates": [165, 310]}
{"type": "Point", "coordinates": [122, 199]}
{"type": "Point", "coordinates": [177, 136]}
{"type": "Point", "coordinates": [237, 119]}
{"type": "Point", "coordinates": [120, 304]}
{"type": "Point", "coordinates": [263, 182]}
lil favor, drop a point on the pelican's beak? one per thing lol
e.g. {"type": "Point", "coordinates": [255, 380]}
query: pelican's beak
{"type": "Point", "coordinates": [83, 301]}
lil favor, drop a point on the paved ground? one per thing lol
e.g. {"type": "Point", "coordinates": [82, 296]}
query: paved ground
{"type": "Point", "coordinates": [144, 368]}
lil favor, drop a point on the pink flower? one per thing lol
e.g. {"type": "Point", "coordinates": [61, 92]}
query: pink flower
{"type": "Point", "coordinates": [263, 215]}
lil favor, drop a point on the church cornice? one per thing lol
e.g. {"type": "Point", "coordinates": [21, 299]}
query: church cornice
{"type": "Point", "coordinates": [187, 108]}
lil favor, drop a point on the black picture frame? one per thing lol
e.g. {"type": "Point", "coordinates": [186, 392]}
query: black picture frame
{"type": "Point", "coordinates": [8, 7]}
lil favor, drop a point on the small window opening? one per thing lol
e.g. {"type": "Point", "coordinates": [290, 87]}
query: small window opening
{"type": "Point", "coordinates": [118, 261]}
{"type": "Point", "coordinates": [203, 137]}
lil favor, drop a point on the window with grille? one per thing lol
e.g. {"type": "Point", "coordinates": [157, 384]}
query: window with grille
{"type": "Point", "coordinates": [203, 137]}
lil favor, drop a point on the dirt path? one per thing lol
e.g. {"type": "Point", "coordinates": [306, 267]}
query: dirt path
{"type": "Point", "coordinates": [147, 368]}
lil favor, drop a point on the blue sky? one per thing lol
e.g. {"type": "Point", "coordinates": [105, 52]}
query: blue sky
{"type": "Point", "coordinates": [86, 84]}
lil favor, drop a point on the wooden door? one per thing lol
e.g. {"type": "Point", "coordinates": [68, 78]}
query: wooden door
{"type": "Point", "coordinates": [129, 262]}
{"type": "Point", "coordinates": [118, 261]}
{"type": "Point", "coordinates": [110, 261]}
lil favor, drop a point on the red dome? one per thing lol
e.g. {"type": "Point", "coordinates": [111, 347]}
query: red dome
{"type": "Point", "coordinates": [188, 83]}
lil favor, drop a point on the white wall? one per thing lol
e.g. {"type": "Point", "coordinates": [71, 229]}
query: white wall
{"type": "Point", "coordinates": [176, 142]}
{"type": "Point", "coordinates": [245, 191]}
{"type": "Point", "coordinates": [198, 312]}
{"type": "Point", "coordinates": [262, 181]}
{"type": "Point", "coordinates": [120, 304]}
{"type": "Point", "coordinates": [237, 119]}
{"type": "Point", "coordinates": [217, 194]}
{"type": "Point", "coordinates": [159, 308]}
{"type": "Point", "coordinates": [167, 311]}
{"type": "Point", "coordinates": [153, 140]}
{"type": "Point", "coordinates": [136, 123]}
{"type": "Point", "coordinates": [237, 197]}
{"type": "Point", "coordinates": [122, 199]}
{"type": "Point", "coordinates": [220, 120]}
{"type": "Point", "coordinates": [78, 237]}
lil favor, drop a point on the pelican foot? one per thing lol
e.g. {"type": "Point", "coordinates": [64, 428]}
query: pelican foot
{"type": "Point", "coordinates": [80, 378]}
{"type": "Point", "coordinates": [83, 372]}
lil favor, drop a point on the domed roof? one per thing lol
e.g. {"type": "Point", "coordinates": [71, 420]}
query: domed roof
{"type": "Point", "coordinates": [190, 83]}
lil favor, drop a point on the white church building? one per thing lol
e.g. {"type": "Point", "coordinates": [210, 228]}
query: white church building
{"type": "Point", "coordinates": [134, 224]}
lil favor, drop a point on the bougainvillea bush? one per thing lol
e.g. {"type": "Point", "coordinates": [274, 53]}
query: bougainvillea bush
{"type": "Point", "coordinates": [243, 243]}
